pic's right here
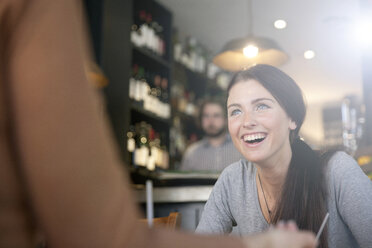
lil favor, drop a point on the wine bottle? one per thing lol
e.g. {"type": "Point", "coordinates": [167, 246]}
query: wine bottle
{"type": "Point", "coordinates": [133, 82]}
{"type": "Point", "coordinates": [157, 84]}
{"type": "Point", "coordinates": [142, 150]}
{"type": "Point", "coordinates": [131, 143]}
{"type": "Point", "coordinates": [164, 90]}
{"type": "Point", "coordinates": [151, 162]}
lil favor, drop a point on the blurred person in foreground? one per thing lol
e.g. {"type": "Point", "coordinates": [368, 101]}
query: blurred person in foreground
{"type": "Point", "coordinates": [283, 178]}
{"type": "Point", "coordinates": [215, 151]}
{"type": "Point", "coordinates": [59, 168]}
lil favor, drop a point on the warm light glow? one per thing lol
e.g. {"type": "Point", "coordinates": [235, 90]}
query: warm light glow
{"type": "Point", "coordinates": [364, 32]}
{"type": "Point", "coordinates": [280, 24]}
{"type": "Point", "coordinates": [250, 51]}
{"type": "Point", "coordinates": [309, 54]}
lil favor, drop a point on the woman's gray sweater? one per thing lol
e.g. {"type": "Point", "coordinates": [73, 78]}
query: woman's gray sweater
{"type": "Point", "coordinates": [234, 202]}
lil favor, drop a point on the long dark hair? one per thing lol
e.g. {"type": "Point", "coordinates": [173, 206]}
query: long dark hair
{"type": "Point", "coordinates": [303, 196]}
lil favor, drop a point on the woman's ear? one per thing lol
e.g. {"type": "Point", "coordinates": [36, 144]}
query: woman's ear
{"type": "Point", "coordinates": [292, 125]}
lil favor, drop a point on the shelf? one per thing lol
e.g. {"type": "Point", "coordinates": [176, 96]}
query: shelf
{"type": "Point", "coordinates": [184, 116]}
{"type": "Point", "coordinates": [197, 82]}
{"type": "Point", "coordinates": [152, 56]}
{"type": "Point", "coordinates": [198, 74]}
{"type": "Point", "coordinates": [136, 106]}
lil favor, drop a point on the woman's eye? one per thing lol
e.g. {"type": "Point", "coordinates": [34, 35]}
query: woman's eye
{"type": "Point", "coordinates": [235, 112]}
{"type": "Point", "coordinates": [262, 107]}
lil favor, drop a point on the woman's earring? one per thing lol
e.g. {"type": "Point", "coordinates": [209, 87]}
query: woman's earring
{"type": "Point", "coordinates": [292, 125]}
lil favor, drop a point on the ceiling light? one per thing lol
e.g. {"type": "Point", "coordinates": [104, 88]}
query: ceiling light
{"type": "Point", "coordinates": [280, 24]}
{"type": "Point", "coordinates": [250, 51]}
{"type": "Point", "coordinates": [309, 54]}
{"type": "Point", "coordinates": [239, 54]}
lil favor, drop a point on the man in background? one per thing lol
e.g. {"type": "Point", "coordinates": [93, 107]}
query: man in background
{"type": "Point", "coordinates": [215, 151]}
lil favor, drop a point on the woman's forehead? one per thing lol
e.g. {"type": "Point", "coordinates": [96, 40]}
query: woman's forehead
{"type": "Point", "coordinates": [248, 89]}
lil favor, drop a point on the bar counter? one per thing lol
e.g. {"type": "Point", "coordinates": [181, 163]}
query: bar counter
{"type": "Point", "coordinates": [176, 194]}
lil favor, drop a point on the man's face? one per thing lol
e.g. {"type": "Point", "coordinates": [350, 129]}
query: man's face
{"type": "Point", "coordinates": [213, 120]}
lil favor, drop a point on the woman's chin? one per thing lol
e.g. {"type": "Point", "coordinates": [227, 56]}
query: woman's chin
{"type": "Point", "coordinates": [254, 157]}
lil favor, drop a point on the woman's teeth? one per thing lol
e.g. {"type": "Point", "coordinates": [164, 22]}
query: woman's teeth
{"type": "Point", "coordinates": [254, 138]}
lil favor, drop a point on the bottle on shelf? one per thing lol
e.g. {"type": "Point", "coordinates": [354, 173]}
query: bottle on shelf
{"type": "Point", "coordinates": [176, 92]}
{"type": "Point", "coordinates": [147, 146]}
{"type": "Point", "coordinates": [131, 143]}
{"type": "Point", "coordinates": [150, 90]}
{"type": "Point", "coordinates": [192, 54]}
{"type": "Point", "coordinates": [190, 106]}
{"type": "Point", "coordinates": [157, 88]}
{"type": "Point", "coordinates": [139, 29]}
{"type": "Point", "coordinates": [134, 34]}
{"type": "Point", "coordinates": [164, 153]}
{"type": "Point", "coordinates": [164, 98]}
{"type": "Point", "coordinates": [141, 153]}
{"type": "Point", "coordinates": [147, 33]}
{"type": "Point", "coordinates": [144, 86]}
{"type": "Point", "coordinates": [161, 43]}
{"type": "Point", "coordinates": [138, 85]}
{"type": "Point", "coordinates": [186, 103]}
{"type": "Point", "coordinates": [182, 103]}
{"type": "Point", "coordinates": [133, 82]}
{"type": "Point", "coordinates": [159, 152]}
{"type": "Point", "coordinates": [151, 99]}
{"type": "Point", "coordinates": [150, 39]}
{"type": "Point", "coordinates": [150, 165]}
{"type": "Point", "coordinates": [164, 91]}
{"type": "Point", "coordinates": [177, 46]}
{"type": "Point", "coordinates": [178, 139]}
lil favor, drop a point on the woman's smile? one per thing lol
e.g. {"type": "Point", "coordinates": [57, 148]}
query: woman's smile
{"type": "Point", "coordinates": [254, 139]}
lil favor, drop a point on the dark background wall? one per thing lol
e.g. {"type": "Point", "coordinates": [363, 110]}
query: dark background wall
{"type": "Point", "coordinates": [109, 23]}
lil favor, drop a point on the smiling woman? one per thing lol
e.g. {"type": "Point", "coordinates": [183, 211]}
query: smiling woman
{"type": "Point", "coordinates": [282, 178]}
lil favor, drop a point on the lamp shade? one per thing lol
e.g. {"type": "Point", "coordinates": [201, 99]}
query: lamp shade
{"type": "Point", "coordinates": [232, 58]}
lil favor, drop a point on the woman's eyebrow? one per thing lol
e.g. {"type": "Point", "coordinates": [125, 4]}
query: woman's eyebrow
{"type": "Point", "coordinates": [252, 102]}
{"type": "Point", "coordinates": [261, 99]}
{"type": "Point", "coordinates": [233, 105]}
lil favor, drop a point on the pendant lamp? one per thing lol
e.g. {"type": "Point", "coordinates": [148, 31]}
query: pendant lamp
{"type": "Point", "coordinates": [240, 54]}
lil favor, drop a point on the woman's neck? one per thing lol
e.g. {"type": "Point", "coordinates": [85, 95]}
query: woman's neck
{"type": "Point", "coordinates": [272, 180]}
{"type": "Point", "coordinates": [273, 175]}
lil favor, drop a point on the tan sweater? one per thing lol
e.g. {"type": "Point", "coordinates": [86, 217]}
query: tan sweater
{"type": "Point", "coordinates": [59, 168]}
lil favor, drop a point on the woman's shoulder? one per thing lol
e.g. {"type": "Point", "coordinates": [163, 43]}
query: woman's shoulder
{"type": "Point", "coordinates": [341, 159]}
{"type": "Point", "coordinates": [341, 164]}
{"type": "Point", "coordinates": [236, 179]}
{"type": "Point", "coordinates": [238, 166]}
{"type": "Point", "coordinates": [238, 169]}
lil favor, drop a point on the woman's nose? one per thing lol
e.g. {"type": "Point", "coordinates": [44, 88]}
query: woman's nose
{"type": "Point", "coordinates": [249, 121]}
